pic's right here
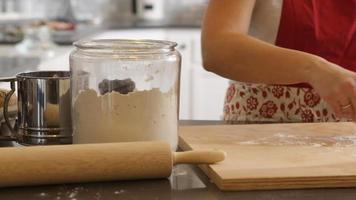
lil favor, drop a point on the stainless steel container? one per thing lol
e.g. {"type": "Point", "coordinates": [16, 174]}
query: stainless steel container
{"type": "Point", "coordinates": [44, 108]}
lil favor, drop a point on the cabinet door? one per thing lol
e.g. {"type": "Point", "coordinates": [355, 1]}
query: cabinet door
{"type": "Point", "coordinates": [184, 40]}
{"type": "Point", "coordinates": [202, 92]}
{"type": "Point", "coordinates": [185, 104]}
{"type": "Point", "coordinates": [208, 95]}
{"type": "Point", "coordinates": [185, 109]}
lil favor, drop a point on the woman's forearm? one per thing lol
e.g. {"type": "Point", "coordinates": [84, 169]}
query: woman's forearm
{"type": "Point", "coordinates": [229, 51]}
{"type": "Point", "coordinates": [243, 58]}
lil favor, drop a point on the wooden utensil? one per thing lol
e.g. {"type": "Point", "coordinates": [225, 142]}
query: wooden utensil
{"type": "Point", "coordinates": [278, 156]}
{"type": "Point", "coordinates": [39, 165]}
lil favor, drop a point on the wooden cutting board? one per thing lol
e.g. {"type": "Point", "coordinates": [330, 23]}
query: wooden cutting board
{"type": "Point", "coordinates": [278, 156]}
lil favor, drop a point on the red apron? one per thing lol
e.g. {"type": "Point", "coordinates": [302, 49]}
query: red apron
{"type": "Point", "coordinates": [321, 27]}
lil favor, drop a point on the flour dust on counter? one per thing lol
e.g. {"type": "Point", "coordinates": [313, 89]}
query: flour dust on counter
{"type": "Point", "coordinates": [282, 139]}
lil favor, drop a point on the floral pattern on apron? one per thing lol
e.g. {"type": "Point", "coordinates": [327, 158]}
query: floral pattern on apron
{"type": "Point", "coordinates": [260, 103]}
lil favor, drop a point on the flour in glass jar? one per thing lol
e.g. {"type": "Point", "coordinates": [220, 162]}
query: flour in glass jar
{"type": "Point", "coordinates": [116, 116]}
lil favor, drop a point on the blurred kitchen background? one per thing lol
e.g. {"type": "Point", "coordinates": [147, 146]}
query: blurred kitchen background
{"type": "Point", "coordinates": [37, 35]}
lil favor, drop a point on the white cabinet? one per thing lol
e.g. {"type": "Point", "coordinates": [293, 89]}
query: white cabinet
{"type": "Point", "coordinates": [208, 95]}
{"type": "Point", "coordinates": [202, 92]}
{"type": "Point", "coordinates": [154, 34]}
{"type": "Point", "coordinates": [184, 41]}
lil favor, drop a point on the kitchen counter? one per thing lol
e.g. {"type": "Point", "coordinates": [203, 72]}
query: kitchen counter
{"type": "Point", "coordinates": [186, 182]}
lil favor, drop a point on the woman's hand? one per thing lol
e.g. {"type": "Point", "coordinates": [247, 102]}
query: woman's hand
{"type": "Point", "coordinates": [337, 86]}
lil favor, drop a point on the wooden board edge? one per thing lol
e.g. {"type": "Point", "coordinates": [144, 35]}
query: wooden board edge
{"type": "Point", "coordinates": [183, 145]}
{"type": "Point", "coordinates": [216, 179]}
{"type": "Point", "coordinates": [297, 179]}
{"type": "Point", "coordinates": [293, 185]}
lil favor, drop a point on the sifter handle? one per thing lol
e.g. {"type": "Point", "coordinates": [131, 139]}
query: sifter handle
{"type": "Point", "coordinates": [7, 100]}
{"type": "Point", "coordinates": [198, 157]}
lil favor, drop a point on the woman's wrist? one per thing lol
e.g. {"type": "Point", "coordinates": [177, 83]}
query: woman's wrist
{"type": "Point", "coordinates": [323, 73]}
{"type": "Point", "coordinates": [317, 69]}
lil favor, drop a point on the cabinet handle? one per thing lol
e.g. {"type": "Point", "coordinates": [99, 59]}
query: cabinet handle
{"type": "Point", "coordinates": [182, 47]}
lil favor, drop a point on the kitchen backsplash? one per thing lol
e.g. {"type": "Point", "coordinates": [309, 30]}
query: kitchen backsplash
{"type": "Point", "coordinates": [112, 13]}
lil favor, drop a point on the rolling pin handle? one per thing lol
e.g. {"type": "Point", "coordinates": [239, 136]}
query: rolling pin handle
{"type": "Point", "coordinates": [199, 157]}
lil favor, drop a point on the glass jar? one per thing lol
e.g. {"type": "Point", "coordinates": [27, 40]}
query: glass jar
{"type": "Point", "coordinates": [125, 90]}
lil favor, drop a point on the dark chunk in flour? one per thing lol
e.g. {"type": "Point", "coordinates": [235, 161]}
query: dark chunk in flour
{"type": "Point", "coordinates": [122, 86]}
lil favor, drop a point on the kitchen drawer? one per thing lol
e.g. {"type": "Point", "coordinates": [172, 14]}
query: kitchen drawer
{"type": "Point", "coordinates": [196, 49]}
{"type": "Point", "coordinates": [186, 102]}
{"type": "Point", "coordinates": [208, 95]}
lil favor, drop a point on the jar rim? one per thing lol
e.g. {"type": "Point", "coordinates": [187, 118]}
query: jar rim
{"type": "Point", "coordinates": [45, 75]}
{"type": "Point", "coordinates": [125, 44]}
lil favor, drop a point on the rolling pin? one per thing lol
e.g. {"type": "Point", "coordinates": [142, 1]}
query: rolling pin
{"type": "Point", "coordinates": [39, 165]}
